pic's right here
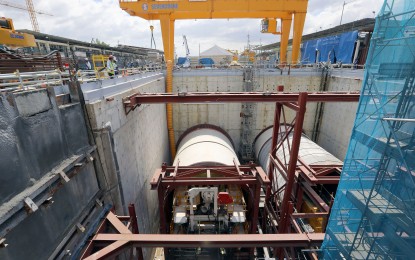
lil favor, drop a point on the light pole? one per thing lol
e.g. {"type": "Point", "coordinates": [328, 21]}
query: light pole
{"type": "Point", "coordinates": [341, 17]}
{"type": "Point", "coordinates": [344, 3]}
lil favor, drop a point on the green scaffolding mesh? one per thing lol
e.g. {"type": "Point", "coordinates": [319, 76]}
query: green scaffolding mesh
{"type": "Point", "coordinates": [373, 216]}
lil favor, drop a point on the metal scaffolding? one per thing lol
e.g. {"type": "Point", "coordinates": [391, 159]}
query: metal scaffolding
{"type": "Point", "coordinates": [373, 216]}
{"type": "Point", "coordinates": [248, 118]}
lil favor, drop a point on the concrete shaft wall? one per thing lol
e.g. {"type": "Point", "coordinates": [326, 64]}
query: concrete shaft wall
{"type": "Point", "coordinates": [227, 115]}
{"type": "Point", "coordinates": [335, 127]}
{"type": "Point", "coordinates": [338, 118]}
{"type": "Point", "coordinates": [39, 140]}
{"type": "Point", "coordinates": [131, 146]}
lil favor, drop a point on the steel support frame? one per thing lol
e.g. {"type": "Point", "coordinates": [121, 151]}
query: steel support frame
{"type": "Point", "coordinates": [115, 247]}
{"type": "Point", "coordinates": [299, 176]}
{"type": "Point", "coordinates": [110, 245]}
{"type": "Point", "coordinates": [166, 178]}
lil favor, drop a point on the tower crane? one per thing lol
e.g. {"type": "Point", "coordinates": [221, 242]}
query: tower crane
{"type": "Point", "coordinates": [168, 11]}
{"type": "Point", "coordinates": [186, 64]}
{"type": "Point", "coordinates": [30, 9]}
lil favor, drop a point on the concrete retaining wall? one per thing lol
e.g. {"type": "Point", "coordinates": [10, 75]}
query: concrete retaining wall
{"type": "Point", "coordinates": [338, 118]}
{"type": "Point", "coordinates": [131, 146]}
{"type": "Point", "coordinates": [227, 115]}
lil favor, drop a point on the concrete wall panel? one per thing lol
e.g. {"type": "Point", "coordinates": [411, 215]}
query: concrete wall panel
{"type": "Point", "coordinates": [74, 128]}
{"type": "Point", "coordinates": [227, 115]}
{"type": "Point", "coordinates": [338, 118]}
{"type": "Point", "coordinates": [140, 146]}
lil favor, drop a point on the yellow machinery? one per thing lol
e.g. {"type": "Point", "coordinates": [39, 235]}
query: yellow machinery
{"type": "Point", "coordinates": [168, 11]}
{"type": "Point", "coordinates": [315, 223]}
{"type": "Point", "coordinates": [249, 55]}
{"type": "Point", "coordinates": [235, 54]}
{"type": "Point", "coordinates": [100, 63]}
{"type": "Point", "coordinates": [12, 39]}
{"type": "Point", "coordinates": [269, 26]}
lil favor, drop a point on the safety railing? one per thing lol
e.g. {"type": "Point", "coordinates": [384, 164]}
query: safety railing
{"type": "Point", "coordinates": [32, 80]}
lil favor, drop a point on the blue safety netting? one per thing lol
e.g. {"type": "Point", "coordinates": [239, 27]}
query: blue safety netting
{"type": "Point", "coordinates": [373, 216]}
{"type": "Point", "coordinates": [336, 48]}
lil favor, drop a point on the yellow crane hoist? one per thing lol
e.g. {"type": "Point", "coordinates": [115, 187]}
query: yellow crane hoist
{"type": "Point", "coordinates": [168, 11]}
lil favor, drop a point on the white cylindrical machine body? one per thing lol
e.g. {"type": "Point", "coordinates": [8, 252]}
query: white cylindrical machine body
{"type": "Point", "coordinates": [310, 152]}
{"type": "Point", "coordinates": [205, 147]}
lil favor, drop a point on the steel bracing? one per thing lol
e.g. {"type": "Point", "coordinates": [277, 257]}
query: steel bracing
{"type": "Point", "coordinates": [280, 219]}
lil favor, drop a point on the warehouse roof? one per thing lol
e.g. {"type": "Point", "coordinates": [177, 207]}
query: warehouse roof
{"type": "Point", "coordinates": [54, 38]}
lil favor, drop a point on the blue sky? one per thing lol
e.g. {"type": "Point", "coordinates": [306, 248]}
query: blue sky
{"type": "Point", "coordinates": [85, 19]}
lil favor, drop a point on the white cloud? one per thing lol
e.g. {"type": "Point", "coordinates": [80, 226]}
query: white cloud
{"type": "Point", "coordinates": [103, 19]}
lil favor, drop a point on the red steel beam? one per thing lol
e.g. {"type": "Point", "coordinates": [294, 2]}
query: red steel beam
{"type": "Point", "coordinates": [228, 97]}
{"type": "Point", "coordinates": [108, 252]}
{"type": "Point", "coordinates": [318, 201]}
{"type": "Point", "coordinates": [117, 224]}
{"type": "Point", "coordinates": [275, 133]}
{"type": "Point", "coordinates": [211, 181]}
{"type": "Point", "coordinates": [134, 228]}
{"type": "Point", "coordinates": [292, 165]}
{"type": "Point", "coordinates": [215, 241]}
{"type": "Point", "coordinates": [257, 175]}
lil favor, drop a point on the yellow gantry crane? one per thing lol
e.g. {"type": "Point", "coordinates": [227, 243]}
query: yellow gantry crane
{"type": "Point", "coordinates": [168, 11]}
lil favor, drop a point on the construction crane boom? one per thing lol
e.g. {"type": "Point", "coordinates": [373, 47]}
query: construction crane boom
{"type": "Point", "coordinates": [186, 46]}
{"type": "Point", "coordinates": [30, 9]}
{"type": "Point", "coordinates": [32, 15]}
{"type": "Point", "coordinates": [187, 62]}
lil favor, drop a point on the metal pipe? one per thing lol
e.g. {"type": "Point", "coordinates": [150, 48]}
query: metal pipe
{"type": "Point", "coordinates": [310, 154]}
{"type": "Point", "coordinates": [205, 146]}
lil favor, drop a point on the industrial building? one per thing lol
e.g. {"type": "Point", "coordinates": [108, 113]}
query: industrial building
{"type": "Point", "coordinates": [302, 160]}
{"type": "Point", "coordinates": [350, 41]}
{"type": "Point", "coordinates": [79, 50]}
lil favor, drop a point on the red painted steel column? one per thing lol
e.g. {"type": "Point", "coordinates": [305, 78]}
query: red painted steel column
{"type": "Point", "coordinates": [275, 132]}
{"type": "Point", "coordinates": [299, 197]}
{"type": "Point", "coordinates": [161, 192]}
{"type": "Point", "coordinates": [134, 228]}
{"type": "Point", "coordinates": [292, 165]}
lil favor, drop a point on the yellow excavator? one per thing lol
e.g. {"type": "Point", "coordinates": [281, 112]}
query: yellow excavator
{"type": "Point", "coordinates": [12, 39]}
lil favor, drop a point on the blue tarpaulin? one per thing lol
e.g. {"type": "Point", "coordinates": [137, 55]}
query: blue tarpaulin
{"type": "Point", "coordinates": [207, 62]}
{"type": "Point", "coordinates": [181, 60]}
{"type": "Point", "coordinates": [337, 48]}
